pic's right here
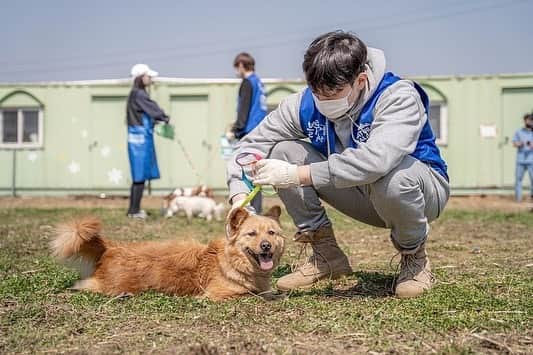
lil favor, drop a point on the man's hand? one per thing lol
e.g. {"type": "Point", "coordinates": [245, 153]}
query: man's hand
{"type": "Point", "coordinates": [277, 173]}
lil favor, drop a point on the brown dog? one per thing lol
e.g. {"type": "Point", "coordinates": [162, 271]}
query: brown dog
{"type": "Point", "coordinates": [239, 265]}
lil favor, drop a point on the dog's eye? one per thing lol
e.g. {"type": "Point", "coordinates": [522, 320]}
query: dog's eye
{"type": "Point", "coordinates": [252, 234]}
{"type": "Point", "coordinates": [271, 232]}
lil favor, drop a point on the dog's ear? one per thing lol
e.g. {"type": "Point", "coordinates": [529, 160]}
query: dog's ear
{"type": "Point", "coordinates": [235, 220]}
{"type": "Point", "coordinates": [167, 199]}
{"type": "Point", "coordinates": [273, 213]}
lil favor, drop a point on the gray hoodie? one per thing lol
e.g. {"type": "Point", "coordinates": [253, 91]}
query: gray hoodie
{"type": "Point", "coordinates": [399, 117]}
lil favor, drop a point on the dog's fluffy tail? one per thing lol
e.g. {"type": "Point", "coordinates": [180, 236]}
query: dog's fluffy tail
{"type": "Point", "coordinates": [80, 239]}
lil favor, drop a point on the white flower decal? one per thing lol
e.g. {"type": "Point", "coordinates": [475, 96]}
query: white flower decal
{"type": "Point", "coordinates": [115, 176]}
{"type": "Point", "coordinates": [105, 151]}
{"type": "Point", "coordinates": [32, 156]}
{"type": "Point", "coordinates": [74, 167]}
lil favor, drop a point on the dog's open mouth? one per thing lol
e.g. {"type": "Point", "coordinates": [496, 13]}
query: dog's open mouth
{"type": "Point", "coordinates": [264, 260]}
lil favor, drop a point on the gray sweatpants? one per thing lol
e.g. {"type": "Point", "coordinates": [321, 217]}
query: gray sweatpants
{"type": "Point", "coordinates": [405, 200]}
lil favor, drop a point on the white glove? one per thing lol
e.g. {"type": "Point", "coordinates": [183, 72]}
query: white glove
{"type": "Point", "coordinates": [277, 173]}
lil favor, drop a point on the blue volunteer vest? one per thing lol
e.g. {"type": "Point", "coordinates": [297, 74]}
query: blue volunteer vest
{"type": "Point", "coordinates": [258, 108]}
{"type": "Point", "coordinates": [314, 126]}
{"type": "Point", "coordinates": [141, 151]}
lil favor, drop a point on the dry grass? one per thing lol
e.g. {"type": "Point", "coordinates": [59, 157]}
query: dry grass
{"type": "Point", "coordinates": [483, 259]}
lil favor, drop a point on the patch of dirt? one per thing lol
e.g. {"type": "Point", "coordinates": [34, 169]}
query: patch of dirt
{"type": "Point", "coordinates": [487, 203]}
{"type": "Point", "coordinates": [476, 203]}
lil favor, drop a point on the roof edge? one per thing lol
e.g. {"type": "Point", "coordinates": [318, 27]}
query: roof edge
{"type": "Point", "coordinates": [128, 81]}
{"type": "Point", "coordinates": [193, 81]}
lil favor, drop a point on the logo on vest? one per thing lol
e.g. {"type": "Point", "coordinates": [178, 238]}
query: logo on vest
{"type": "Point", "coordinates": [316, 131]}
{"type": "Point", "coordinates": [363, 132]}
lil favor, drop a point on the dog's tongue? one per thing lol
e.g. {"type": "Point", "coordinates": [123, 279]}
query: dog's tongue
{"type": "Point", "coordinates": [265, 263]}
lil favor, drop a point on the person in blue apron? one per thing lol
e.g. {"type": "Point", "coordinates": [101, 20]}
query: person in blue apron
{"type": "Point", "coordinates": [142, 114]}
{"type": "Point", "coordinates": [359, 138]}
{"type": "Point", "coordinates": [251, 105]}
{"type": "Point", "coordinates": [523, 142]}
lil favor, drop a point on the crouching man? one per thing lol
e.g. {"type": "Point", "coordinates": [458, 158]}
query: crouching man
{"type": "Point", "coordinates": [370, 153]}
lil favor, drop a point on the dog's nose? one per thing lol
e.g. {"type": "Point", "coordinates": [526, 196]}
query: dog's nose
{"type": "Point", "coordinates": [265, 245]}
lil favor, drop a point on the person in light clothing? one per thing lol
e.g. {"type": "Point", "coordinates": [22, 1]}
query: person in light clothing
{"type": "Point", "coordinates": [523, 142]}
{"type": "Point", "coordinates": [358, 137]}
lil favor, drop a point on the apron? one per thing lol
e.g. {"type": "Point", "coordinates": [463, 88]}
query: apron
{"type": "Point", "coordinates": [141, 151]}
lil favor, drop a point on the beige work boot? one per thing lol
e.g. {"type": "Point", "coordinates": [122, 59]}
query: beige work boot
{"type": "Point", "coordinates": [415, 274]}
{"type": "Point", "coordinates": [327, 261]}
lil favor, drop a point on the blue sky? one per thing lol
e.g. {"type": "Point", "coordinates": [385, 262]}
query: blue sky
{"type": "Point", "coordinates": [75, 40]}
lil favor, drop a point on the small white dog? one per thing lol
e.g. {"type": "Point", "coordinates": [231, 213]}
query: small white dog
{"type": "Point", "coordinates": [196, 206]}
{"type": "Point", "coordinates": [200, 190]}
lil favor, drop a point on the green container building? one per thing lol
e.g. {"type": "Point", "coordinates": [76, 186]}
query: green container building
{"type": "Point", "coordinates": [70, 137]}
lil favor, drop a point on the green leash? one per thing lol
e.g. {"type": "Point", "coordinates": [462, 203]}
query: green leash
{"type": "Point", "coordinates": [246, 160]}
{"type": "Point", "coordinates": [251, 196]}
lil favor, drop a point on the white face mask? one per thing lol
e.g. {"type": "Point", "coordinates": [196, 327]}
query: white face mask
{"type": "Point", "coordinates": [333, 109]}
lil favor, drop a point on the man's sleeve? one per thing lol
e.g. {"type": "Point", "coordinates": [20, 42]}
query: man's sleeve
{"type": "Point", "coordinates": [151, 108]}
{"type": "Point", "coordinates": [399, 117]}
{"type": "Point", "coordinates": [245, 103]}
{"type": "Point", "coordinates": [280, 125]}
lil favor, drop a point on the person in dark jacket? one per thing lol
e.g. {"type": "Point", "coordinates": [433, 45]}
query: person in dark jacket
{"type": "Point", "coordinates": [142, 114]}
{"type": "Point", "coordinates": [251, 105]}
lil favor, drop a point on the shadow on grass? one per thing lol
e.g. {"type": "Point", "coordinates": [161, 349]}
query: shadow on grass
{"type": "Point", "coordinates": [367, 284]}
{"type": "Point", "coordinates": [281, 271]}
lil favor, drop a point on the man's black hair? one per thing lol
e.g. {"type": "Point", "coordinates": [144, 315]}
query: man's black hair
{"type": "Point", "coordinates": [333, 60]}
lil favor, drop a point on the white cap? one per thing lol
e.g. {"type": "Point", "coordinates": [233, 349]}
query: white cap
{"type": "Point", "coordinates": [141, 69]}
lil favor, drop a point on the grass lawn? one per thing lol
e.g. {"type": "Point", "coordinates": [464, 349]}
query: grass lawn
{"type": "Point", "coordinates": [482, 303]}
